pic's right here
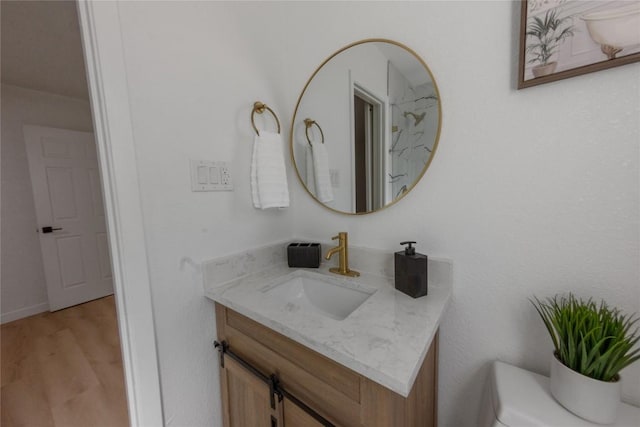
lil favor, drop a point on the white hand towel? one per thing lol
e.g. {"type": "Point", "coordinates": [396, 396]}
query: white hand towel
{"type": "Point", "coordinates": [268, 175]}
{"type": "Point", "coordinates": [310, 179]}
{"type": "Point", "coordinates": [324, 191]}
{"type": "Point", "coordinates": [254, 174]}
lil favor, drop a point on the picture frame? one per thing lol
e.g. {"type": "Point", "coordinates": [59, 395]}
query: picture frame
{"type": "Point", "coordinates": [567, 38]}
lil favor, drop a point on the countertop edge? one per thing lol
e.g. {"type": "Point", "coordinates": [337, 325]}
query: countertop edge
{"type": "Point", "coordinates": [393, 384]}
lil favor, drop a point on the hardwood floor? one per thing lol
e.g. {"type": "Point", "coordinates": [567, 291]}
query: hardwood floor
{"type": "Point", "coordinates": [64, 369]}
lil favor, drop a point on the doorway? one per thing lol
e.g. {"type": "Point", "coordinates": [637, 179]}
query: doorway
{"type": "Point", "coordinates": [369, 150]}
{"type": "Point", "coordinates": [363, 117]}
{"type": "Point", "coordinates": [44, 84]}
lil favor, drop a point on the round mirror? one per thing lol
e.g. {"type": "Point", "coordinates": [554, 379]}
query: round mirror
{"type": "Point", "coordinates": [366, 126]}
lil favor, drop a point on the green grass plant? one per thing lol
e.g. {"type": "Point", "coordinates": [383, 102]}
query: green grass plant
{"type": "Point", "coordinates": [591, 339]}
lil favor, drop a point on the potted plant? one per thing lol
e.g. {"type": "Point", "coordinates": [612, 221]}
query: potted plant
{"type": "Point", "coordinates": [548, 34]}
{"type": "Point", "coordinates": [593, 343]}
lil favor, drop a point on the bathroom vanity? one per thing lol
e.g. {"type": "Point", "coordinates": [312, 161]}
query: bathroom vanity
{"type": "Point", "coordinates": [338, 394]}
{"type": "Point", "coordinates": [336, 351]}
{"type": "Point", "coordinates": [307, 347]}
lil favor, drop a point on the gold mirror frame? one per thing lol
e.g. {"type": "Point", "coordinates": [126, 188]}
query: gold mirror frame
{"type": "Point", "coordinates": [304, 89]}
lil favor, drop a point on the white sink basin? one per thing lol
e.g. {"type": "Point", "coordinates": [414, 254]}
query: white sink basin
{"type": "Point", "coordinates": [305, 290]}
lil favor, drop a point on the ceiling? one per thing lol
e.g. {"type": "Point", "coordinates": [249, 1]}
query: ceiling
{"type": "Point", "coordinates": [41, 47]}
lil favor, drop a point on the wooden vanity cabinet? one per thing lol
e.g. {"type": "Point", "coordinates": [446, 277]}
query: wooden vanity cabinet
{"type": "Point", "coordinates": [245, 399]}
{"type": "Point", "coordinates": [340, 395]}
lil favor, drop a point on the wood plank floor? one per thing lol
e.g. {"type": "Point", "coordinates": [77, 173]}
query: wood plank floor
{"type": "Point", "coordinates": [63, 369]}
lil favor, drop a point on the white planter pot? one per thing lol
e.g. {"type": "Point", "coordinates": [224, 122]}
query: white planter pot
{"type": "Point", "coordinates": [593, 400]}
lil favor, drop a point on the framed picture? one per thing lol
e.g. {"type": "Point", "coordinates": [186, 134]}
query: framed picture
{"type": "Point", "coordinates": [567, 38]}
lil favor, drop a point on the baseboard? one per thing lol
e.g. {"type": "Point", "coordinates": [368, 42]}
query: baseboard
{"type": "Point", "coordinates": [24, 312]}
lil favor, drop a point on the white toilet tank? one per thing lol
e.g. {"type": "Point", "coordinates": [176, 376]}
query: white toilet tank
{"type": "Point", "coordinates": [514, 397]}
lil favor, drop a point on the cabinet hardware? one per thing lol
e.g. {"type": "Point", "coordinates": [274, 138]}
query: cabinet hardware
{"type": "Point", "coordinates": [275, 389]}
{"type": "Point", "coordinates": [221, 351]}
{"type": "Point", "coordinates": [319, 418]}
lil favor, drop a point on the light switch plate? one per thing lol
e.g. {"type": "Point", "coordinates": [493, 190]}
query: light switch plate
{"type": "Point", "coordinates": [210, 176]}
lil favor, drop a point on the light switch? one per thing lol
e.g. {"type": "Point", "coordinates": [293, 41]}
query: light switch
{"type": "Point", "coordinates": [202, 175]}
{"type": "Point", "coordinates": [214, 175]}
{"type": "Point", "coordinates": [210, 176]}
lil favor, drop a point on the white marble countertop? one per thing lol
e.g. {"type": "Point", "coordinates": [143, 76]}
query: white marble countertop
{"type": "Point", "coordinates": [385, 339]}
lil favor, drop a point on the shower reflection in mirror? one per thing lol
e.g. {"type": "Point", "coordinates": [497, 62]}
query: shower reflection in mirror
{"type": "Point", "coordinates": [414, 118]}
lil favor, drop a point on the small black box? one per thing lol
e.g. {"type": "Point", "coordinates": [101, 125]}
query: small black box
{"type": "Point", "coordinates": [411, 274]}
{"type": "Point", "coordinates": [304, 255]}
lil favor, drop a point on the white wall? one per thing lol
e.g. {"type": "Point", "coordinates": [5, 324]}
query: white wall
{"type": "Point", "coordinates": [24, 290]}
{"type": "Point", "coordinates": [194, 71]}
{"type": "Point", "coordinates": [530, 193]}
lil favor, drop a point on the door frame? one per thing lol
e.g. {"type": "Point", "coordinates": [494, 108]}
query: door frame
{"type": "Point", "coordinates": [109, 96]}
{"type": "Point", "coordinates": [376, 156]}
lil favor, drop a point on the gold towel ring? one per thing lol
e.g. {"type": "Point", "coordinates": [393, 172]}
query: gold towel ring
{"type": "Point", "coordinates": [308, 123]}
{"type": "Point", "coordinates": [259, 107]}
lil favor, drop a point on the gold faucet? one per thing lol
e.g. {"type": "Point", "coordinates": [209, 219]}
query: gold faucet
{"type": "Point", "coordinates": [344, 256]}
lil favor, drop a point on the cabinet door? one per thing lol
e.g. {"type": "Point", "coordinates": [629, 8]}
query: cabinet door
{"type": "Point", "coordinates": [294, 416]}
{"type": "Point", "coordinates": [246, 400]}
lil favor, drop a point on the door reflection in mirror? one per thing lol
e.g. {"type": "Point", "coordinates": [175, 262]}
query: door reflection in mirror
{"type": "Point", "coordinates": [369, 149]}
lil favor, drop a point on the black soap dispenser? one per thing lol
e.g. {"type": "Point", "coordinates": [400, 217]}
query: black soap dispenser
{"type": "Point", "coordinates": [411, 271]}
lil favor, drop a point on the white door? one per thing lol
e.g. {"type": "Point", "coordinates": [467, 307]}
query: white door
{"type": "Point", "coordinates": [69, 208]}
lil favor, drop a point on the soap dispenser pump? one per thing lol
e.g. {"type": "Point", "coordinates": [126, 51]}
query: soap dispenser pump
{"type": "Point", "coordinates": [411, 271]}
